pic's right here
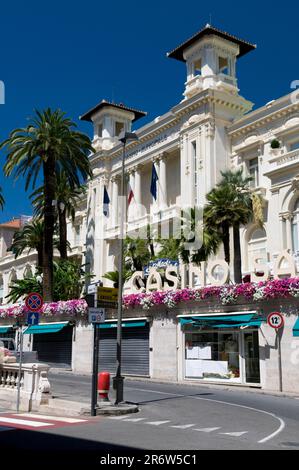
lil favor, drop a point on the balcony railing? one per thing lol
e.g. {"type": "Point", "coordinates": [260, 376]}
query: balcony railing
{"type": "Point", "coordinates": [282, 161]}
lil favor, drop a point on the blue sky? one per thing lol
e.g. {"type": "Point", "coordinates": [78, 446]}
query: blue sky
{"type": "Point", "coordinates": [72, 54]}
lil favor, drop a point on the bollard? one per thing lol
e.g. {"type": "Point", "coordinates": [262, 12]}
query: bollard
{"type": "Point", "coordinates": [103, 386]}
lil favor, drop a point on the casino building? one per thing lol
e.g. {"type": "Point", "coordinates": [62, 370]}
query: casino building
{"type": "Point", "coordinates": [213, 128]}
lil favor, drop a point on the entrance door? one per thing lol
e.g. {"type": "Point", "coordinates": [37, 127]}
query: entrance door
{"type": "Point", "coordinates": [251, 357]}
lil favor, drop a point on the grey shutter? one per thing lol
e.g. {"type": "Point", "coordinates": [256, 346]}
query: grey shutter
{"type": "Point", "coordinates": [55, 348]}
{"type": "Point", "coordinates": [135, 350]}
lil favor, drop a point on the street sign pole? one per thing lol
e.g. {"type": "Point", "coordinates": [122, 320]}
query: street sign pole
{"type": "Point", "coordinates": [275, 320]}
{"type": "Point", "coordinates": [95, 366]}
{"type": "Point", "coordinates": [20, 368]}
{"type": "Point", "coordinates": [278, 336]}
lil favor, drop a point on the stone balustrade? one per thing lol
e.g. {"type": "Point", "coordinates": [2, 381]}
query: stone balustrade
{"type": "Point", "coordinates": [35, 387]}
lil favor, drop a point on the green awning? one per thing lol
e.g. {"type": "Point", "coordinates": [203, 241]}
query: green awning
{"type": "Point", "coordinates": [296, 328]}
{"type": "Point", "coordinates": [223, 321]}
{"type": "Point", "coordinates": [5, 329]}
{"type": "Point", "coordinates": [45, 328]}
{"type": "Point", "coordinates": [126, 324]}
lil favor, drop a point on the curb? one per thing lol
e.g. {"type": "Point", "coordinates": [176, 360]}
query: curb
{"type": "Point", "coordinates": [113, 410]}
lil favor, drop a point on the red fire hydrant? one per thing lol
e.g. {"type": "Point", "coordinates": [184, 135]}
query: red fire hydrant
{"type": "Point", "coordinates": [103, 386]}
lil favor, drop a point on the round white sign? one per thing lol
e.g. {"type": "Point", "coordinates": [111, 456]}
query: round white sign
{"type": "Point", "coordinates": [275, 320]}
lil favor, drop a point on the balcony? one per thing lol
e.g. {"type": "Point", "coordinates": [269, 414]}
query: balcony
{"type": "Point", "coordinates": [221, 81]}
{"type": "Point", "coordinates": [193, 86]}
{"type": "Point", "coordinates": [280, 163]}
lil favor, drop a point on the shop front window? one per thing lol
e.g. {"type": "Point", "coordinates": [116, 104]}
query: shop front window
{"type": "Point", "coordinates": [213, 355]}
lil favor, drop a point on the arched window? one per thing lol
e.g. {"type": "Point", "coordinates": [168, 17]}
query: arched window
{"type": "Point", "coordinates": [295, 227]}
{"type": "Point", "coordinates": [27, 272]}
{"type": "Point", "coordinates": [257, 247]}
{"type": "Point", "coordinates": [13, 277]}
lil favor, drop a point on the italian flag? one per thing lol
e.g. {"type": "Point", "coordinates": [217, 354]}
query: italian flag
{"type": "Point", "coordinates": [131, 195]}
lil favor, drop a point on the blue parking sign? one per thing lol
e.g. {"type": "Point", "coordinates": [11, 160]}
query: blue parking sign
{"type": "Point", "coordinates": [33, 318]}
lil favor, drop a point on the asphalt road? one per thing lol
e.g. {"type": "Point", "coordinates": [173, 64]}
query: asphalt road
{"type": "Point", "coordinates": [175, 417]}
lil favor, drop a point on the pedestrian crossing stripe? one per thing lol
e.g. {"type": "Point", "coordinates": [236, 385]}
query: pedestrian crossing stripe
{"type": "Point", "coordinates": [52, 418]}
{"type": "Point", "coordinates": [35, 421]}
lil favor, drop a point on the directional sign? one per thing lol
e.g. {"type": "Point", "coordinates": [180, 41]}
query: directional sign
{"type": "Point", "coordinates": [34, 302]}
{"type": "Point", "coordinates": [33, 318]}
{"type": "Point", "coordinates": [96, 315]}
{"type": "Point", "coordinates": [275, 320]}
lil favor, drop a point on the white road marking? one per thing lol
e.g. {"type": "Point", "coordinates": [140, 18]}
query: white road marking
{"type": "Point", "coordinates": [235, 434]}
{"type": "Point", "coordinates": [157, 423]}
{"type": "Point", "coordinates": [24, 422]}
{"type": "Point", "coordinates": [53, 418]}
{"type": "Point", "coordinates": [133, 420]}
{"type": "Point", "coordinates": [267, 438]}
{"type": "Point", "coordinates": [183, 426]}
{"type": "Point", "coordinates": [206, 429]}
{"type": "Point", "coordinates": [119, 417]}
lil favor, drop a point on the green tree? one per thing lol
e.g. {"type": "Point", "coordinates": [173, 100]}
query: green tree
{"type": "Point", "coordinates": [67, 199]}
{"type": "Point", "coordinates": [51, 145]}
{"type": "Point", "coordinates": [232, 204]}
{"type": "Point", "coordinates": [68, 282]}
{"type": "Point", "coordinates": [30, 237]}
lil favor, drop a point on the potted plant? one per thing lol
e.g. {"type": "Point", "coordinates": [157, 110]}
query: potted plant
{"type": "Point", "coordinates": [275, 147]}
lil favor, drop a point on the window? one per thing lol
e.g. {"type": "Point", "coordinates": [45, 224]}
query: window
{"type": "Point", "coordinates": [197, 67]}
{"type": "Point", "coordinates": [100, 130]}
{"type": "Point", "coordinates": [253, 167]}
{"type": "Point", "coordinates": [213, 355]}
{"type": "Point", "coordinates": [194, 159]}
{"type": "Point", "coordinates": [223, 65]}
{"type": "Point", "coordinates": [295, 225]}
{"type": "Point", "coordinates": [77, 235]}
{"type": "Point", "coordinates": [119, 126]}
{"type": "Point", "coordinates": [257, 248]}
{"type": "Point", "coordinates": [294, 146]}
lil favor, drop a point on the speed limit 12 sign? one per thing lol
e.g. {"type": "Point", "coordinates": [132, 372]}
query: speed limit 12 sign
{"type": "Point", "coordinates": [275, 320]}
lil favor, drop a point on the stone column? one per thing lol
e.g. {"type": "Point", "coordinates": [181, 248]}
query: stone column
{"type": "Point", "coordinates": [114, 204]}
{"type": "Point", "coordinates": [162, 187]}
{"type": "Point", "coordinates": [131, 186]}
{"type": "Point", "coordinates": [288, 218]}
{"type": "Point", "coordinates": [137, 190]}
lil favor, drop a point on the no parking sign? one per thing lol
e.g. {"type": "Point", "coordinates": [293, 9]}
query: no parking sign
{"type": "Point", "coordinates": [34, 302]}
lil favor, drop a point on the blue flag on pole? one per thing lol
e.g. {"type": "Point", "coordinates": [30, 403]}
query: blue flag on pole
{"type": "Point", "coordinates": [106, 202]}
{"type": "Point", "coordinates": [154, 182]}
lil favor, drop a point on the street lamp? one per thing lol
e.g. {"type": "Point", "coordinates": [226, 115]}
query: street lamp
{"type": "Point", "coordinates": [118, 380]}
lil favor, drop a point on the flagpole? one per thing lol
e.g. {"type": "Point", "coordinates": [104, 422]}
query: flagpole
{"type": "Point", "coordinates": [118, 380]}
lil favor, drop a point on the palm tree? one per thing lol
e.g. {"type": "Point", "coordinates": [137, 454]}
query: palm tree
{"type": "Point", "coordinates": [247, 207]}
{"type": "Point", "coordinates": [30, 237]}
{"type": "Point", "coordinates": [49, 144]}
{"type": "Point", "coordinates": [67, 200]}
{"type": "Point", "coordinates": [1, 199]}
{"type": "Point", "coordinates": [232, 204]}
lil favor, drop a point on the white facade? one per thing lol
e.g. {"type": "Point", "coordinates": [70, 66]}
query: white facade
{"type": "Point", "coordinates": [212, 129]}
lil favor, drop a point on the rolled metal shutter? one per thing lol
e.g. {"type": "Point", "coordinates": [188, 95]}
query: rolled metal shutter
{"type": "Point", "coordinates": [135, 350]}
{"type": "Point", "coordinates": [55, 348]}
